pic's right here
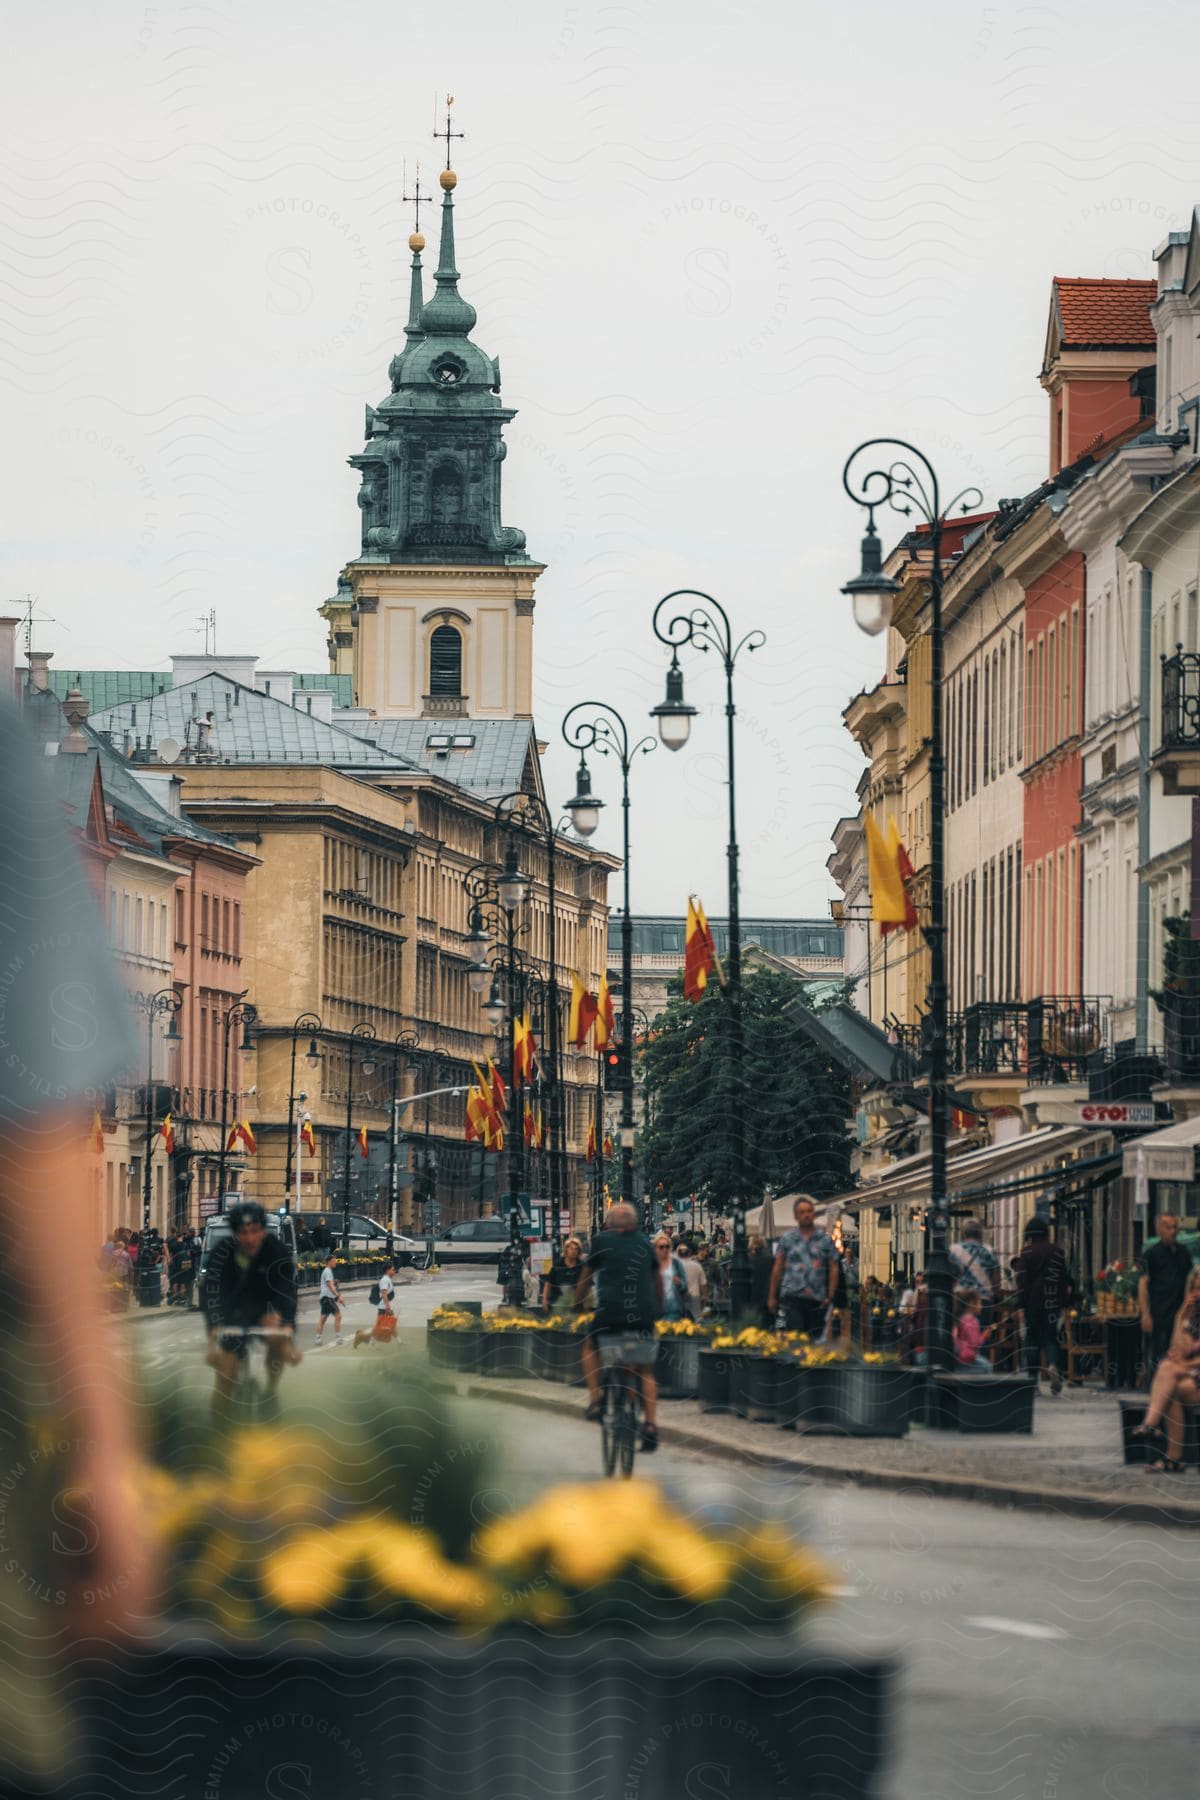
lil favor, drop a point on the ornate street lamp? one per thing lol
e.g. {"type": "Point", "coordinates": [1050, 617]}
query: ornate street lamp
{"type": "Point", "coordinates": [310, 1023]}
{"type": "Point", "coordinates": [606, 732]}
{"type": "Point", "coordinates": [155, 1006]}
{"type": "Point", "coordinates": [406, 1042]}
{"type": "Point", "coordinates": [362, 1033]}
{"type": "Point", "coordinates": [246, 1013]}
{"type": "Point", "coordinates": [707, 626]}
{"type": "Point", "coordinates": [908, 485]}
{"type": "Point", "coordinates": [513, 885]}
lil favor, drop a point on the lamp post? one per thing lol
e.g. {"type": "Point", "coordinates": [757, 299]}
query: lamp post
{"type": "Point", "coordinates": [529, 814]}
{"type": "Point", "coordinates": [168, 1002]}
{"type": "Point", "coordinates": [707, 626]}
{"type": "Point", "coordinates": [908, 485]}
{"type": "Point", "coordinates": [606, 732]}
{"type": "Point", "coordinates": [311, 1023]}
{"type": "Point", "coordinates": [406, 1042]}
{"type": "Point", "coordinates": [362, 1033]}
{"type": "Point", "coordinates": [244, 1012]}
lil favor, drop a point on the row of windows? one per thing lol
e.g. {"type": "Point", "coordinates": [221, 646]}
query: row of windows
{"type": "Point", "coordinates": [984, 922]}
{"type": "Point", "coordinates": [220, 926]}
{"type": "Point", "coordinates": [138, 926]}
{"type": "Point", "coordinates": [1052, 923]}
{"type": "Point", "coordinates": [370, 875]}
{"type": "Point", "coordinates": [782, 938]}
{"type": "Point", "coordinates": [984, 705]}
{"type": "Point", "coordinates": [1052, 683]}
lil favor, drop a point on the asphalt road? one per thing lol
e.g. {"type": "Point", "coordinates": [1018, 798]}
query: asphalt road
{"type": "Point", "coordinates": [1042, 1659]}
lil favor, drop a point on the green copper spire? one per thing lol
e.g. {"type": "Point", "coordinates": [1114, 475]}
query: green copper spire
{"type": "Point", "coordinates": [416, 293]}
{"type": "Point", "coordinates": [447, 314]}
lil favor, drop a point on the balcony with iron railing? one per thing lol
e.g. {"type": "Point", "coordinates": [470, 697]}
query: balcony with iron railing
{"type": "Point", "coordinates": [1050, 1041]}
{"type": "Point", "coordinates": [1177, 757]}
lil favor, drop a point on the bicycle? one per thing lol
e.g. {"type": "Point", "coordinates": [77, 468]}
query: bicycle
{"type": "Point", "coordinates": [621, 1398]}
{"type": "Point", "coordinates": [253, 1396]}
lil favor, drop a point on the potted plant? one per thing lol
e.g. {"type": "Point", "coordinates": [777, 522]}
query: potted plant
{"type": "Point", "coordinates": [316, 1619]}
{"type": "Point", "coordinates": [453, 1338]}
{"type": "Point", "coordinates": [1117, 1291]}
{"type": "Point", "coordinates": [677, 1368]}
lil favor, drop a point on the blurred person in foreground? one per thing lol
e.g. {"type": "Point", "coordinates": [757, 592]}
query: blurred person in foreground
{"type": "Point", "coordinates": [1176, 1383]}
{"type": "Point", "coordinates": [65, 1034]}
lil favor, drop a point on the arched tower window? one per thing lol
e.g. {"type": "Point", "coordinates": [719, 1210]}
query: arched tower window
{"type": "Point", "coordinates": [447, 495]}
{"type": "Point", "coordinates": [445, 661]}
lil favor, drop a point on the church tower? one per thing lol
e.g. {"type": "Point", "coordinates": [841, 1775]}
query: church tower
{"type": "Point", "coordinates": [434, 619]}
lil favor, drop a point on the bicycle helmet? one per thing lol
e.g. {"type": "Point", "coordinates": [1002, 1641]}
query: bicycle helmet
{"type": "Point", "coordinates": [247, 1212]}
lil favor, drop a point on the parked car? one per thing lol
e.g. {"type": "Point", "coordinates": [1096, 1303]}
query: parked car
{"type": "Point", "coordinates": [370, 1237]}
{"type": "Point", "coordinates": [472, 1240]}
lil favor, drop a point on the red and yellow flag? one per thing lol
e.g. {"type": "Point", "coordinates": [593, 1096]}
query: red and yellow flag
{"type": "Point", "coordinates": [167, 1131]}
{"type": "Point", "coordinates": [608, 1150]}
{"type": "Point", "coordinates": [699, 952]}
{"type": "Point", "coordinates": [590, 1153]}
{"type": "Point", "coordinates": [308, 1137]}
{"type": "Point", "coordinates": [605, 1022]}
{"type": "Point", "coordinates": [889, 868]}
{"type": "Point", "coordinates": [249, 1141]}
{"type": "Point", "coordinates": [499, 1091]}
{"type": "Point", "coordinates": [524, 1048]}
{"type": "Point", "coordinates": [96, 1135]}
{"type": "Point", "coordinates": [530, 1128]}
{"type": "Point", "coordinates": [235, 1133]}
{"type": "Point", "coordinates": [583, 1013]}
{"type": "Point", "coordinates": [364, 1148]}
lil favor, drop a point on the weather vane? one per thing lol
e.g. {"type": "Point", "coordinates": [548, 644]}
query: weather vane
{"type": "Point", "coordinates": [447, 133]}
{"type": "Point", "coordinates": [417, 197]}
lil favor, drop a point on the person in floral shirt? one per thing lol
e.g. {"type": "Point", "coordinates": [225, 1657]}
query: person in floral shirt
{"type": "Point", "coordinates": [805, 1275]}
{"type": "Point", "coordinates": [976, 1268]}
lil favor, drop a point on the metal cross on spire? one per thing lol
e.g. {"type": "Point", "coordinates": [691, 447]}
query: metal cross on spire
{"type": "Point", "coordinates": [447, 133]}
{"type": "Point", "coordinates": [417, 197]}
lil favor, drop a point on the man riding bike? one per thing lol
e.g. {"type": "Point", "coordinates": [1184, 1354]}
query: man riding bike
{"type": "Point", "coordinates": [622, 1265]}
{"type": "Point", "coordinates": [250, 1283]}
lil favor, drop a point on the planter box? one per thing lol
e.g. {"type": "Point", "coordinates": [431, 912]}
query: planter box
{"type": "Point", "coordinates": [678, 1368]}
{"type": "Point", "coordinates": [505, 1353]}
{"type": "Point", "coordinates": [1139, 1450]}
{"type": "Point", "coordinates": [556, 1355]}
{"type": "Point", "coordinates": [805, 1397]}
{"type": "Point", "coordinates": [464, 1351]}
{"type": "Point", "coordinates": [713, 1376]}
{"type": "Point", "coordinates": [376, 1713]}
{"type": "Point", "coordinates": [440, 1347]}
{"type": "Point", "coordinates": [982, 1402]}
{"type": "Point", "coordinates": [869, 1402]}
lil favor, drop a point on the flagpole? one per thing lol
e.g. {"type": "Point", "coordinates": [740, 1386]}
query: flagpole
{"type": "Point", "coordinates": [166, 1002]}
{"type": "Point", "coordinates": [365, 1033]}
{"type": "Point", "coordinates": [245, 1011]}
{"type": "Point", "coordinates": [299, 1146]}
{"type": "Point", "coordinates": [707, 625]}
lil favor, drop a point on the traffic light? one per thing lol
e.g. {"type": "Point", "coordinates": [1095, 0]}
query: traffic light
{"type": "Point", "coordinates": [612, 1071]}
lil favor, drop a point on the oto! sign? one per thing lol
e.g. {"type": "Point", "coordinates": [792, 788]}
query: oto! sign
{"type": "Point", "coordinates": [1114, 1112]}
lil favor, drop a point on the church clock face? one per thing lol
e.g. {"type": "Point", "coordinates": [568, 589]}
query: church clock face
{"type": "Point", "coordinates": [447, 371]}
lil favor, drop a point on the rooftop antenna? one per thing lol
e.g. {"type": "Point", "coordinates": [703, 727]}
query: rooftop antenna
{"type": "Point", "coordinates": [207, 623]}
{"type": "Point", "coordinates": [30, 615]}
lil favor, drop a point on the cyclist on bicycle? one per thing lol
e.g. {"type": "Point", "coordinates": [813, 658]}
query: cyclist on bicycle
{"type": "Point", "coordinates": [622, 1266]}
{"type": "Point", "coordinates": [250, 1283]}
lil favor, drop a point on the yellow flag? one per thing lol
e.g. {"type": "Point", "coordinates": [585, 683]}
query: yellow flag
{"type": "Point", "coordinates": [889, 903]}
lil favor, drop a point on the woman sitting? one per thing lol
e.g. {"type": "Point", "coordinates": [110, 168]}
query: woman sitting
{"type": "Point", "coordinates": [1176, 1382]}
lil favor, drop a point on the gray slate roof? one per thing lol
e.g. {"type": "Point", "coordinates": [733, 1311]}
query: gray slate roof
{"type": "Point", "coordinates": [494, 765]}
{"type": "Point", "coordinates": [247, 727]}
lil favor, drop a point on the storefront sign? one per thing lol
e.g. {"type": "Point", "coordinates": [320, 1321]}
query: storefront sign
{"type": "Point", "coordinates": [1112, 1112]}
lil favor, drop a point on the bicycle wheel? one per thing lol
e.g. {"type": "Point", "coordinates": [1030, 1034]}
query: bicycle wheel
{"type": "Point", "coordinates": [627, 1442]}
{"type": "Point", "coordinates": [610, 1421]}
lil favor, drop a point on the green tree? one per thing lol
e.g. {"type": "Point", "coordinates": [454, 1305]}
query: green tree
{"type": "Point", "coordinates": [794, 1103]}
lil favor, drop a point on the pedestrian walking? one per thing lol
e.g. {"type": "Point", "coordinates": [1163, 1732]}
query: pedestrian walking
{"type": "Point", "coordinates": [562, 1277]}
{"type": "Point", "coordinates": [1167, 1269]}
{"type": "Point", "coordinates": [510, 1272]}
{"type": "Point", "coordinates": [329, 1299]}
{"type": "Point", "coordinates": [805, 1276]}
{"type": "Point", "coordinates": [976, 1269]}
{"type": "Point", "coordinates": [693, 1272]}
{"type": "Point", "coordinates": [761, 1264]}
{"type": "Point", "coordinates": [674, 1280]}
{"type": "Point", "coordinates": [1041, 1271]}
{"type": "Point", "coordinates": [382, 1298]}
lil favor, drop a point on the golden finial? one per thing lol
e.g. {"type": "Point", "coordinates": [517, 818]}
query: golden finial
{"type": "Point", "coordinates": [448, 179]}
{"type": "Point", "coordinates": [416, 242]}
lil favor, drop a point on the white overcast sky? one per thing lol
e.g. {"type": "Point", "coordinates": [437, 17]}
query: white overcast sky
{"type": "Point", "coordinates": [713, 248]}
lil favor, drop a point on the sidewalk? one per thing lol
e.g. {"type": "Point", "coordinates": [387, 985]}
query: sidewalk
{"type": "Point", "coordinates": [1071, 1464]}
{"type": "Point", "coordinates": [137, 1315]}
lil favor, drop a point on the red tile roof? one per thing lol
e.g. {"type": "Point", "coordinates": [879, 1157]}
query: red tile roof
{"type": "Point", "coordinates": [1092, 310]}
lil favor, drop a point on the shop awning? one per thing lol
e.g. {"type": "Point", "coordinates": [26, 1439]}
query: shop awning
{"type": "Point", "coordinates": [1166, 1155]}
{"type": "Point", "coordinates": [969, 1170]}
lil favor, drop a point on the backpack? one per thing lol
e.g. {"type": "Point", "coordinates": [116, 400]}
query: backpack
{"type": "Point", "coordinates": [373, 1296]}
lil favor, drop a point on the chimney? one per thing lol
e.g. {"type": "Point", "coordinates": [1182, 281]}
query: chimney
{"type": "Point", "coordinates": [39, 671]}
{"type": "Point", "coordinates": [8, 655]}
{"type": "Point", "coordinates": [75, 711]}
